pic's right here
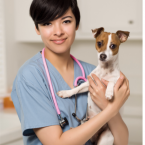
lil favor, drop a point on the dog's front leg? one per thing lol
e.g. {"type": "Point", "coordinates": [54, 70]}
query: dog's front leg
{"type": "Point", "coordinates": [68, 93]}
{"type": "Point", "coordinates": [109, 90]}
{"type": "Point", "coordinates": [85, 89]}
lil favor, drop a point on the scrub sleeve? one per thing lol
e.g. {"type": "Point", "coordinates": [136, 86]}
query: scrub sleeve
{"type": "Point", "coordinates": [36, 108]}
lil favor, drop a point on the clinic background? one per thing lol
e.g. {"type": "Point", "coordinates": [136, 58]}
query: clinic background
{"type": "Point", "coordinates": [19, 42]}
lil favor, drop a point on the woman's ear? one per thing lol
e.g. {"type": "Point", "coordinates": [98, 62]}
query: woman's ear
{"type": "Point", "coordinates": [37, 31]}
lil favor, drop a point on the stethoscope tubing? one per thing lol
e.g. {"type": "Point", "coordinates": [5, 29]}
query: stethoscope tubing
{"type": "Point", "coordinates": [49, 80]}
{"type": "Point", "coordinates": [50, 84]}
{"type": "Point", "coordinates": [83, 73]}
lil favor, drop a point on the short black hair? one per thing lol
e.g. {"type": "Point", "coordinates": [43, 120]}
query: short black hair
{"type": "Point", "coordinates": [44, 11]}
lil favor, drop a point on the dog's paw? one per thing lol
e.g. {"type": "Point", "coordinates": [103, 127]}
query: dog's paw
{"type": "Point", "coordinates": [109, 96]}
{"type": "Point", "coordinates": [63, 94]}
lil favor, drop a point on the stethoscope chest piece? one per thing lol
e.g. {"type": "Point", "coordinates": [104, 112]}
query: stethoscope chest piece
{"type": "Point", "coordinates": [63, 121]}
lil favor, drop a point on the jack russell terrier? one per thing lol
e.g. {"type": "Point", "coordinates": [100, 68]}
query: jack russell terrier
{"type": "Point", "coordinates": [107, 45]}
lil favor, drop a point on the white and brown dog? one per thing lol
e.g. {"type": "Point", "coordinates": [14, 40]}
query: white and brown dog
{"type": "Point", "coordinates": [107, 45]}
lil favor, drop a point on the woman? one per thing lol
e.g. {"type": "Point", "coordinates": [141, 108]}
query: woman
{"type": "Point", "coordinates": [57, 21]}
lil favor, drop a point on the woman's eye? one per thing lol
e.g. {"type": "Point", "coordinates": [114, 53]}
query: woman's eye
{"type": "Point", "coordinates": [113, 46]}
{"type": "Point", "coordinates": [67, 21]}
{"type": "Point", "coordinates": [99, 44]}
{"type": "Point", "coordinates": [46, 24]}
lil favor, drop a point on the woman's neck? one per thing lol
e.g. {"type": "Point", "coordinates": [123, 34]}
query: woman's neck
{"type": "Point", "coordinates": [62, 62]}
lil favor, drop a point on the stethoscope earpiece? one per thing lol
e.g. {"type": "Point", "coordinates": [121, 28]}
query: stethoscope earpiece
{"type": "Point", "coordinates": [73, 114]}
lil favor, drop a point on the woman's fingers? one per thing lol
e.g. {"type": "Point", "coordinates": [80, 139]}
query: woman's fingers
{"type": "Point", "coordinates": [105, 82]}
{"type": "Point", "coordinates": [128, 90]}
{"type": "Point", "coordinates": [119, 82]}
{"type": "Point", "coordinates": [92, 92]}
{"type": "Point", "coordinates": [124, 77]}
{"type": "Point", "coordinates": [97, 80]}
{"type": "Point", "coordinates": [126, 80]}
{"type": "Point", "coordinates": [92, 84]}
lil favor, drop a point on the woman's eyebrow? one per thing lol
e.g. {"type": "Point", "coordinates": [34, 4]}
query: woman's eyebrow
{"type": "Point", "coordinates": [66, 17]}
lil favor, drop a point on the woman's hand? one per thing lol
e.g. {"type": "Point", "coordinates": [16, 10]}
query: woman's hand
{"type": "Point", "coordinates": [121, 92]}
{"type": "Point", "coordinates": [97, 92]}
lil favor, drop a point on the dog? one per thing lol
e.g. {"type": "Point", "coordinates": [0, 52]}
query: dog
{"type": "Point", "coordinates": [107, 45]}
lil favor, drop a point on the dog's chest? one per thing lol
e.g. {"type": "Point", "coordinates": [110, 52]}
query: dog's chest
{"type": "Point", "coordinates": [107, 74]}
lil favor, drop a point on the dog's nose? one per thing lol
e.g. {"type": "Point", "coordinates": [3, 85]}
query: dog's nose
{"type": "Point", "coordinates": [103, 56]}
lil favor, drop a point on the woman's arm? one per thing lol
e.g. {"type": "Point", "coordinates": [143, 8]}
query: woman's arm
{"type": "Point", "coordinates": [81, 134]}
{"type": "Point", "coordinates": [53, 135]}
{"type": "Point", "coordinates": [116, 124]}
{"type": "Point", "coordinates": [119, 130]}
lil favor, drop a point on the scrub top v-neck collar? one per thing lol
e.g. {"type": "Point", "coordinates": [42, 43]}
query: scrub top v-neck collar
{"type": "Point", "coordinates": [56, 72]}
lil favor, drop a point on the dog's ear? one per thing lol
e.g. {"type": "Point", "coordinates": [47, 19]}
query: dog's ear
{"type": "Point", "coordinates": [123, 35]}
{"type": "Point", "coordinates": [97, 31]}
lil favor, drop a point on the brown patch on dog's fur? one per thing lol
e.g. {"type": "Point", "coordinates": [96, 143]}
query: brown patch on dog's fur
{"type": "Point", "coordinates": [103, 37]}
{"type": "Point", "coordinates": [115, 40]}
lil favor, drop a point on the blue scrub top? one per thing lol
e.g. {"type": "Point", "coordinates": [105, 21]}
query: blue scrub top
{"type": "Point", "coordinates": [33, 102]}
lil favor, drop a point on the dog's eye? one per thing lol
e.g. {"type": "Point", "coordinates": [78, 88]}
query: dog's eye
{"type": "Point", "coordinates": [113, 46]}
{"type": "Point", "coordinates": [99, 44]}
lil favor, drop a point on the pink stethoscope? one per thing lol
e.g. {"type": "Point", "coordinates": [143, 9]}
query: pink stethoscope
{"type": "Point", "coordinates": [63, 121]}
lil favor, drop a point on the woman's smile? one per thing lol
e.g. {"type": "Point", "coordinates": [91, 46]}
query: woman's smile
{"type": "Point", "coordinates": [60, 41]}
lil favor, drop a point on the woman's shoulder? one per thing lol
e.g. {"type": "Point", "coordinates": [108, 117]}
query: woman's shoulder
{"type": "Point", "coordinates": [30, 69]}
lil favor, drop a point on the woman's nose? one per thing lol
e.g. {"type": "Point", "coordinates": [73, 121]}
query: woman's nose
{"type": "Point", "coordinates": [58, 30]}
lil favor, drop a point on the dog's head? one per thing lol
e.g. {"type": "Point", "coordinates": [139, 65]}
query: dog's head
{"type": "Point", "coordinates": [107, 44]}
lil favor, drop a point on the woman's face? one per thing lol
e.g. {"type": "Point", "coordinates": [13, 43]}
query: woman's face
{"type": "Point", "coordinates": [58, 35]}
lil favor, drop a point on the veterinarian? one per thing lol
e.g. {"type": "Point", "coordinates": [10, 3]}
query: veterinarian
{"type": "Point", "coordinates": [57, 21]}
